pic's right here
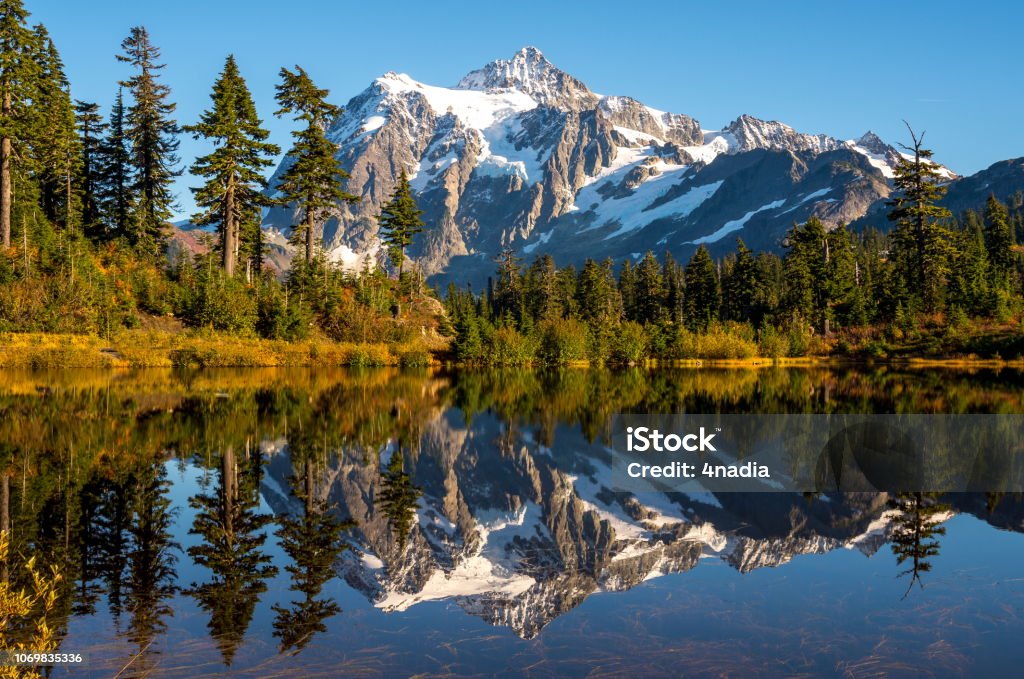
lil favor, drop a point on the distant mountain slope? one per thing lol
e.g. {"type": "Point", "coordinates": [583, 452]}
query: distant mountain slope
{"type": "Point", "coordinates": [1004, 180]}
{"type": "Point", "coordinates": [520, 154]}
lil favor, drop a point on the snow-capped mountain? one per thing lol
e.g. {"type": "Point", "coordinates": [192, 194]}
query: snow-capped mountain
{"type": "Point", "coordinates": [522, 155]}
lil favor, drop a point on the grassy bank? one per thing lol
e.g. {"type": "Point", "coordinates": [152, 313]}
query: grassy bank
{"type": "Point", "coordinates": [935, 345]}
{"type": "Point", "coordinates": [141, 348]}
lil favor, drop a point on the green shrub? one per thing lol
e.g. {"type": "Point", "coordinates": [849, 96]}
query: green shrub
{"type": "Point", "coordinates": [798, 335]}
{"type": "Point", "coordinates": [772, 343]}
{"type": "Point", "coordinates": [414, 358]}
{"type": "Point", "coordinates": [469, 343]}
{"type": "Point", "coordinates": [630, 343]}
{"type": "Point", "coordinates": [732, 341]}
{"type": "Point", "coordinates": [562, 341]}
{"type": "Point", "coordinates": [510, 347]}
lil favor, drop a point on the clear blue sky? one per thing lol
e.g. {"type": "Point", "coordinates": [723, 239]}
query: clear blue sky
{"type": "Point", "coordinates": [840, 68]}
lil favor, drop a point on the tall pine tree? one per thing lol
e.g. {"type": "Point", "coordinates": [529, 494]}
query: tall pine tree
{"type": "Point", "coordinates": [90, 136]}
{"type": "Point", "coordinates": [18, 72]}
{"type": "Point", "coordinates": [738, 289]}
{"type": "Point", "coordinates": [920, 239]}
{"type": "Point", "coordinates": [999, 242]}
{"type": "Point", "coordinates": [703, 295]}
{"type": "Point", "coordinates": [399, 222]}
{"type": "Point", "coordinates": [152, 131]}
{"type": "Point", "coordinates": [312, 180]}
{"type": "Point", "coordinates": [234, 188]}
{"type": "Point", "coordinates": [650, 290]}
{"type": "Point", "coordinates": [56, 150]}
{"type": "Point", "coordinates": [115, 191]}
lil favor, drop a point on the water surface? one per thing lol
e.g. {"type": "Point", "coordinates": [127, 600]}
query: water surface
{"type": "Point", "coordinates": [326, 523]}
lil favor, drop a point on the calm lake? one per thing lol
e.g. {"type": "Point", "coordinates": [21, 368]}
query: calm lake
{"type": "Point", "coordinates": [386, 523]}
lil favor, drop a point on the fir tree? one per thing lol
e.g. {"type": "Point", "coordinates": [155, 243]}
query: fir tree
{"type": "Point", "coordinates": [507, 300]}
{"type": "Point", "coordinates": [673, 276]}
{"type": "Point", "coordinates": [152, 132]}
{"type": "Point", "coordinates": [597, 295]}
{"type": "Point", "coordinates": [312, 180]}
{"type": "Point", "coordinates": [738, 289]}
{"type": "Point", "coordinates": [18, 75]}
{"type": "Point", "coordinates": [920, 240]}
{"type": "Point", "coordinates": [399, 222]}
{"type": "Point", "coordinates": [628, 290]}
{"type": "Point", "coordinates": [541, 292]}
{"type": "Point", "coordinates": [840, 278]}
{"type": "Point", "coordinates": [702, 292]}
{"type": "Point", "coordinates": [915, 533]}
{"type": "Point", "coordinates": [116, 194]}
{"type": "Point", "coordinates": [313, 539]}
{"type": "Point", "coordinates": [90, 135]}
{"type": "Point", "coordinates": [234, 188]}
{"type": "Point", "coordinates": [969, 275]}
{"type": "Point", "coordinates": [55, 147]}
{"type": "Point", "coordinates": [650, 290]}
{"type": "Point", "coordinates": [999, 242]}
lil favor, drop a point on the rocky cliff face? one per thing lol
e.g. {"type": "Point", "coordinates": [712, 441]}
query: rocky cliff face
{"type": "Point", "coordinates": [522, 155]}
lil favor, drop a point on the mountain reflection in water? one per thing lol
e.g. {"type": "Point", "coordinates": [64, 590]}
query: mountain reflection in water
{"type": "Point", "coordinates": [223, 510]}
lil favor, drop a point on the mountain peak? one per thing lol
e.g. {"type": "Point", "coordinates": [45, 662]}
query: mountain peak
{"type": "Point", "coordinates": [873, 143]}
{"type": "Point", "coordinates": [530, 72]}
{"type": "Point", "coordinates": [753, 133]}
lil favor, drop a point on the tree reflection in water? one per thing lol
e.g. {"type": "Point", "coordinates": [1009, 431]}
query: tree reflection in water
{"type": "Point", "coordinates": [915, 531]}
{"type": "Point", "coordinates": [233, 534]}
{"type": "Point", "coordinates": [313, 540]}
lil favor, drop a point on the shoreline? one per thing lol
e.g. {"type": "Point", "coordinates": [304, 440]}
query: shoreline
{"type": "Point", "coordinates": [198, 349]}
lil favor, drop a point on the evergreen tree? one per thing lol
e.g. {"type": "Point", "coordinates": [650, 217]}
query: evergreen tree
{"type": "Point", "coordinates": [999, 242]}
{"type": "Point", "coordinates": [650, 290]}
{"type": "Point", "coordinates": [152, 131]}
{"type": "Point", "coordinates": [628, 291]}
{"type": "Point", "coordinates": [541, 289]}
{"type": "Point", "coordinates": [116, 193]}
{"type": "Point", "coordinates": [151, 574]}
{"type": "Point", "coordinates": [819, 268]}
{"type": "Point", "coordinates": [739, 288]}
{"type": "Point", "coordinates": [920, 240]}
{"type": "Point", "coordinates": [702, 292]}
{"type": "Point", "coordinates": [399, 222]}
{"type": "Point", "coordinates": [597, 295]}
{"type": "Point", "coordinates": [468, 344]}
{"type": "Point", "coordinates": [969, 274]}
{"type": "Point", "coordinates": [18, 76]}
{"type": "Point", "coordinates": [234, 188]}
{"type": "Point", "coordinates": [840, 276]}
{"type": "Point", "coordinates": [90, 135]}
{"type": "Point", "coordinates": [507, 299]}
{"type": "Point", "coordinates": [56, 150]}
{"type": "Point", "coordinates": [313, 179]}
{"type": "Point", "coordinates": [673, 276]}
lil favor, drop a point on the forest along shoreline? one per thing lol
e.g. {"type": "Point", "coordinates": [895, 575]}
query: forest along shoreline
{"type": "Point", "coordinates": [93, 273]}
